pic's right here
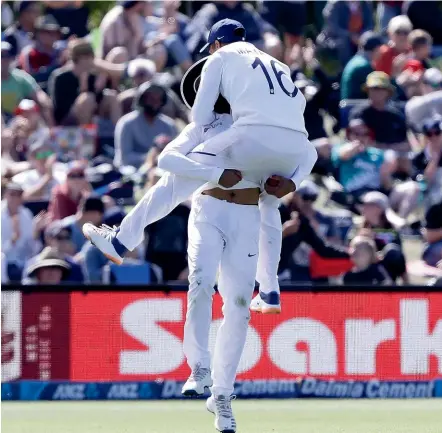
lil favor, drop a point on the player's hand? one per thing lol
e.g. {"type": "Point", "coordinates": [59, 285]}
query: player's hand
{"type": "Point", "coordinates": [279, 186]}
{"type": "Point", "coordinates": [230, 178]}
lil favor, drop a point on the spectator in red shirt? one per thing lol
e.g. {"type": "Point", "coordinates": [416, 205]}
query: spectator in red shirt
{"type": "Point", "coordinates": [398, 30]}
{"type": "Point", "coordinates": [42, 57]}
{"type": "Point", "coordinates": [66, 197]}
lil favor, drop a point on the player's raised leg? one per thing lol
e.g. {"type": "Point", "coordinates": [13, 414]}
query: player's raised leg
{"type": "Point", "coordinates": [270, 239]}
{"type": "Point", "coordinates": [158, 202]}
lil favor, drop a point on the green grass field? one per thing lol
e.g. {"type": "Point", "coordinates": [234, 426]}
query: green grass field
{"type": "Point", "coordinates": [253, 416]}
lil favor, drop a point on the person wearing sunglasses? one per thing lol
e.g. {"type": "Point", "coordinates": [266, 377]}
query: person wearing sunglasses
{"type": "Point", "coordinates": [399, 28]}
{"type": "Point", "coordinates": [45, 172]}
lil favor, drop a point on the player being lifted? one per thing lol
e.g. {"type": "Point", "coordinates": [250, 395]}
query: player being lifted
{"type": "Point", "coordinates": [268, 136]}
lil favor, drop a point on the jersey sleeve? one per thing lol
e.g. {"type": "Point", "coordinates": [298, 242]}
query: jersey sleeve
{"type": "Point", "coordinates": [208, 92]}
{"type": "Point", "coordinates": [174, 159]}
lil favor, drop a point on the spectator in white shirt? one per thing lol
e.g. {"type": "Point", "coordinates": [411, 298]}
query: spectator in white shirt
{"type": "Point", "coordinates": [45, 172]}
{"type": "Point", "coordinates": [18, 240]}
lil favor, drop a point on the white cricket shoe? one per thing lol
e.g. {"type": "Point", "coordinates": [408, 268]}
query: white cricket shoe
{"type": "Point", "coordinates": [222, 408]}
{"type": "Point", "coordinates": [198, 381]}
{"type": "Point", "coordinates": [105, 239]}
{"type": "Point", "coordinates": [266, 303]}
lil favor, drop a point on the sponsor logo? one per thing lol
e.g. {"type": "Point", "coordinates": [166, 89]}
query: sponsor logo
{"type": "Point", "coordinates": [364, 336]}
{"type": "Point", "coordinates": [72, 391]}
{"type": "Point", "coordinates": [370, 389]}
{"type": "Point", "coordinates": [123, 391]}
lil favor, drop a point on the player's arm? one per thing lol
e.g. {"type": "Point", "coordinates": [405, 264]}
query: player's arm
{"type": "Point", "coordinates": [174, 159]}
{"type": "Point", "coordinates": [208, 92]}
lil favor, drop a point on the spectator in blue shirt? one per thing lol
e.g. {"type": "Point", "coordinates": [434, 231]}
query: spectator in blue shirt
{"type": "Point", "coordinates": [259, 32]}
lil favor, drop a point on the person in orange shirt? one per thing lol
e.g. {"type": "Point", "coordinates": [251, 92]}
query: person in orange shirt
{"type": "Point", "coordinates": [398, 30]}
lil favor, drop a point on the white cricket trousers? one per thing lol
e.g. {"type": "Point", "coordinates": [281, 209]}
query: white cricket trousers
{"type": "Point", "coordinates": [222, 236]}
{"type": "Point", "coordinates": [260, 151]}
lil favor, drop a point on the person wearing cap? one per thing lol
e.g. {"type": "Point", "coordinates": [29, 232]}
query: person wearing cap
{"type": "Point", "coordinates": [360, 66]}
{"type": "Point", "coordinates": [377, 112]}
{"type": "Point", "coordinates": [266, 107]}
{"type": "Point", "coordinates": [45, 172]}
{"type": "Point", "coordinates": [345, 22]}
{"type": "Point", "coordinates": [379, 223]}
{"type": "Point", "coordinates": [19, 34]}
{"type": "Point", "coordinates": [58, 238]}
{"type": "Point", "coordinates": [49, 268]}
{"type": "Point", "coordinates": [17, 230]}
{"type": "Point", "coordinates": [66, 197]}
{"type": "Point", "coordinates": [42, 57]}
{"type": "Point", "coordinates": [73, 89]}
{"type": "Point", "coordinates": [259, 32]}
{"type": "Point", "coordinates": [206, 247]}
{"type": "Point", "coordinates": [18, 85]}
{"type": "Point", "coordinates": [399, 28]}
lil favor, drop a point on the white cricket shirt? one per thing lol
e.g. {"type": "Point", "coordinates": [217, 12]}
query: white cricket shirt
{"type": "Point", "coordinates": [258, 88]}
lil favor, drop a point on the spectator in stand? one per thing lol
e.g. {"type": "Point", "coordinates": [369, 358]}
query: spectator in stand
{"type": "Point", "coordinates": [66, 197]}
{"type": "Point", "coordinates": [166, 240]}
{"type": "Point", "coordinates": [19, 242]}
{"type": "Point", "coordinates": [44, 174]}
{"type": "Point", "coordinates": [360, 167]}
{"type": "Point", "coordinates": [141, 71]}
{"type": "Point", "coordinates": [345, 22]}
{"type": "Point", "coordinates": [42, 56]}
{"type": "Point", "coordinates": [122, 31]}
{"type": "Point", "coordinates": [74, 90]}
{"type": "Point", "coordinates": [360, 66]}
{"type": "Point", "coordinates": [421, 44]}
{"type": "Point", "coordinates": [377, 224]}
{"type": "Point", "coordinates": [386, 12]}
{"type": "Point", "coordinates": [49, 268]}
{"type": "Point", "coordinates": [432, 232]}
{"type": "Point", "coordinates": [58, 238]}
{"type": "Point", "coordinates": [73, 15]}
{"type": "Point", "coordinates": [366, 269]}
{"type": "Point", "coordinates": [377, 113]}
{"type": "Point", "coordinates": [10, 165]}
{"type": "Point", "coordinates": [135, 132]}
{"type": "Point", "coordinates": [167, 31]}
{"type": "Point", "coordinates": [425, 15]}
{"type": "Point", "coordinates": [428, 162]}
{"type": "Point", "coordinates": [398, 30]}
{"type": "Point", "coordinates": [299, 229]}
{"type": "Point", "coordinates": [19, 34]}
{"type": "Point", "coordinates": [408, 82]}
{"type": "Point", "coordinates": [91, 210]}
{"type": "Point", "coordinates": [289, 17]}
{"type": "Point", "coordinates": [429, 103]}
{"type": "Point", "coordinates": [18, 85]}
{"type": "Point", "coordinates": [259, 32]}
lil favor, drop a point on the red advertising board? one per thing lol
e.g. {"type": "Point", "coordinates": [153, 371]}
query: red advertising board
{"type": "Point", "coordinates": [35, 336]}
{"type": "Point", "coordinates": [138, 336]}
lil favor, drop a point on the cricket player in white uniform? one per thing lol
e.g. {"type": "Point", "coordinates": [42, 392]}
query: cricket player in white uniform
{"type": "Point", "coordinates": [268, 136]}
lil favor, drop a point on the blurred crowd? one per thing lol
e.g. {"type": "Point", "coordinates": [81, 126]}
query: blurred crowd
{"type": "Point", "coordinates": [87, 111]}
